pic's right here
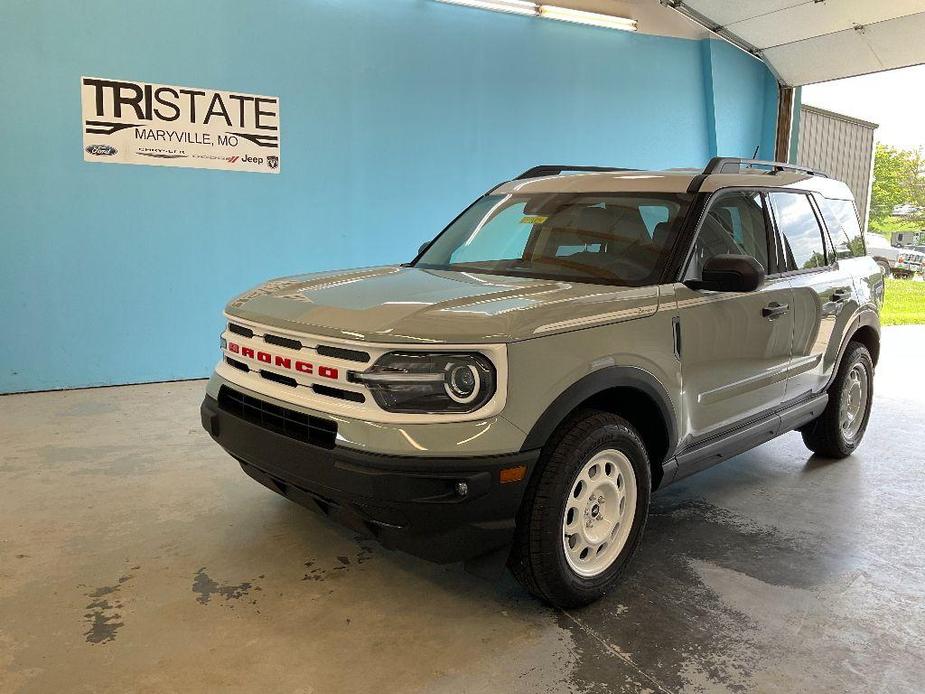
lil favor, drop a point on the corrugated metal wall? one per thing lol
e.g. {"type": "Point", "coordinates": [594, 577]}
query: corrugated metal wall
{"type": "Point", "coordinates": [841, 146]}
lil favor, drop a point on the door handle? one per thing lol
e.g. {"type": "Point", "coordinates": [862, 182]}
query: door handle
{"type": "Point", "coordinates": [774, 310]}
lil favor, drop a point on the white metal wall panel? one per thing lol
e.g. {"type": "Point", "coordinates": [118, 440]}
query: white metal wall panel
{"type": "Point", "coordinates": [841, 146]}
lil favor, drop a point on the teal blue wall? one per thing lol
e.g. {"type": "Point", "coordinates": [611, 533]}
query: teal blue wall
{"type": "Point", "coordinates": [741, 101]}
{"type": "Point", "coordinates": [394, 115]}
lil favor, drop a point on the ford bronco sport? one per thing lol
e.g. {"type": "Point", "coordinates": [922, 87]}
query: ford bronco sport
{"type": "Point", "coordinates": [574, 340]}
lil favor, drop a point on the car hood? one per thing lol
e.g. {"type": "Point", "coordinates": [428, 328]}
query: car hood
{"type": "Point", "coordinates": [416, 305]}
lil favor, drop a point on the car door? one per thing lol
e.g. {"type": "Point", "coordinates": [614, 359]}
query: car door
{"type": "Point", "coordinates": [823, 291]}
{"type": "Point", "coordinates": [735, 346]}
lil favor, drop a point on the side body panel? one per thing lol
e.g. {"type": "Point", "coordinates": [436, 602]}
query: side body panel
{"type": "Point", "coordinates": [734, 359]}
{"type": "Point", "coordinates": [869, 283]}
{"type": "Point", "coordinates": [824, 304]}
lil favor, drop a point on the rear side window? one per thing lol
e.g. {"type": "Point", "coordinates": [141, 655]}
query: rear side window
{"type": "Point", "coordinates": [801, 235]}
{"type": "Point", "coordinates": [842, 220]}
{"type": "Point", "coordinates": [735, 223]}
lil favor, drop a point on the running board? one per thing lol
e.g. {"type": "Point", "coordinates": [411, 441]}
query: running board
{"type": "Point", "coordinates": [716, 450]}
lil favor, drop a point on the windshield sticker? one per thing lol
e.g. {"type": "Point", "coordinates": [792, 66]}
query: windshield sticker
{"type": "Point", "coordinates": [534, 219]}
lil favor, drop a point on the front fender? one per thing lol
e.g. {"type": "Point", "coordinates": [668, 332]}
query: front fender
{"type": "Point", "coordinates": [598, 382]}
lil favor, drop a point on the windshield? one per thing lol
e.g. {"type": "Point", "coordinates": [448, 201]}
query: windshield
{"type": "Point", "coordinates": [605, 238]}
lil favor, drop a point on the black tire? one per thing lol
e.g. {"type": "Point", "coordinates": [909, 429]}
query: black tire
{"type": "Point", "coordinates": [825, 435]}
{"type": "Point", "coordinates": [538, 558]}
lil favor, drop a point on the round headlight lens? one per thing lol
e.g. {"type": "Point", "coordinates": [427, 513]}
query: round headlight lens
{"type": "Point", "coordinates": [462, 383]}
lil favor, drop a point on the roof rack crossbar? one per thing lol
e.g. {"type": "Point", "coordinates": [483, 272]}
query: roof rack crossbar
{"type": "Point", "coordinates": [722, 164]}
{"type": "Point", "coordinates": [556, 169]}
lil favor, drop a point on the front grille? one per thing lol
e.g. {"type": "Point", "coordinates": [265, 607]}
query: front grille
{"type": "Point", "coordinates": [279, 378]}
{"type": "Point", "coordinates": [281, 420]}
{"type": "Point", "coordinates": [239, 365]}
{"type": "Point", "coordinates": [338, 393]}
{"type": "Point", "coordinates": [341, 353]}
{"type": "Point", "coordinates": [240, 330]}
{"type": "Point", "coordinates": [282, 341]}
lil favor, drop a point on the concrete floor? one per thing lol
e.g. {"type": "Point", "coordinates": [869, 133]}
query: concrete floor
{"type": "Point", "coordinates": [135, 555]}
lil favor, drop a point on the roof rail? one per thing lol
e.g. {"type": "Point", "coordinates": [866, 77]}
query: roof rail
{"type": "Point", "coordinates": [556, 169]}
{"type": "Point", "coordinates": [720, 165]}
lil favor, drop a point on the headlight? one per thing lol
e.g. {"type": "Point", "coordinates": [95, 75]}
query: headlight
{"type": "Point", "coordinates": [428, 383]}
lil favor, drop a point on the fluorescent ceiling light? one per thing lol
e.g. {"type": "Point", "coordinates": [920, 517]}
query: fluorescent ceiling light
{"type": "Point", "coordinates": [510, 6]}
{"type": "Point", "coordinates": [565, 14]}
{"type": "Point", "coordinates": [562, 14]}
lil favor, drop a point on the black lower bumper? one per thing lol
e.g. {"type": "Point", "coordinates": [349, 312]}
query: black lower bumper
{"type": "Point", "coordinates": [409, 503]}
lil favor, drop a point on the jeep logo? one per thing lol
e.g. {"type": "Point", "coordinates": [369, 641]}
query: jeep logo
{"type": "Point", "coordinates": [252, 160]}
{"type": "Point", "coordinates": [101, 150]}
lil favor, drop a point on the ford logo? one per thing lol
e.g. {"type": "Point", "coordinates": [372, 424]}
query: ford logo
{"type": "Point", "coordinates": [101, 150]}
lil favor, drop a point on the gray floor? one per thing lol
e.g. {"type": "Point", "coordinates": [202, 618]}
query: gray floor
{"type": "Point", "coordinates": [135, 555]}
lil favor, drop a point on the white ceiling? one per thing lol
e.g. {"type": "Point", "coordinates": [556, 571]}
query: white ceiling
{"type": "Point", "coordinates": [806, 41]}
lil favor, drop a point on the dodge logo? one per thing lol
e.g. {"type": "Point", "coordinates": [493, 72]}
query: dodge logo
{"type": "Point", "coordinates": [288, 363]}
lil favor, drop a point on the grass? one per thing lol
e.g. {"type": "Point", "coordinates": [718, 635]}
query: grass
{"type": "Point", "coordinates": [887, 225]}
{"type": "Point", "coordinates": [904, 303]}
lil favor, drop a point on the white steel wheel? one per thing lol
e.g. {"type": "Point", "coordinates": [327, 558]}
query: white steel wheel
{"type": "Point", "coordinates": [599, 513]}
{"type": "Point", "coordinates": [853, 404]}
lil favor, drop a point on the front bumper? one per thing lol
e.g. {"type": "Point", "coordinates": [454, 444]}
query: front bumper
{"type": "Point", "coordinates": [407, 503]}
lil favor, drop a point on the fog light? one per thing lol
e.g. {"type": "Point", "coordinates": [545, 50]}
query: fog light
{"type": "Point", "coordinates": [462, 488]}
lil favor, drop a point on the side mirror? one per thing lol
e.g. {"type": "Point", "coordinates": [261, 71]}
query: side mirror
{"type": "Point", "coordinates": [423, 246]}
{"type": "Point", "coordinates": [730, 273]}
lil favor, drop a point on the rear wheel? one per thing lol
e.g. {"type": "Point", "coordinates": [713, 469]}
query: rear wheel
{"type": "Point", "coordinates": [584, 512]}
{"type": "Point", "coordinates": [840, 428]}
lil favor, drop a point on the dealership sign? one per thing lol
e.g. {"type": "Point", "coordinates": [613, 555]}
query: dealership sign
{"type": "Point", "coordinates": [165, 125]}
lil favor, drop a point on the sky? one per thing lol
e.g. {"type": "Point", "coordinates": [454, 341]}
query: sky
{"type": "Point", "coordinates": [895, 100]}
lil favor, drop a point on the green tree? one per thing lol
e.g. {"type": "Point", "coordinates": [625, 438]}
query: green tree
{"type": "Point", "coordinates": [898, 179]}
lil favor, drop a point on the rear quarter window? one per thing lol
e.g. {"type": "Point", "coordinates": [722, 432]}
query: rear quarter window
{"type": "Point", "coordinates": [841, 218]}
{"type": "Point", "coordinates": [800, 233]}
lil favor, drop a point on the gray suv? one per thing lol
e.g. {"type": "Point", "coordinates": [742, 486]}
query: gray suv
{"type": "Point", "coordinates": [574, 340]}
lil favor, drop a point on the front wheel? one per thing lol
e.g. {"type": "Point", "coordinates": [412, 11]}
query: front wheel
{"type": "Point", "coordinates": [841, 426]}
{"type": "Point", "coordinates": [583, 515]}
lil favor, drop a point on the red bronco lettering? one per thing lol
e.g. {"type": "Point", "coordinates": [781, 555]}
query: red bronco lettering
{"type": "Point", "coordinates": [284, 362]}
